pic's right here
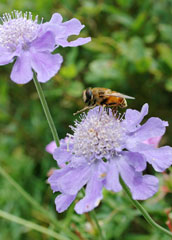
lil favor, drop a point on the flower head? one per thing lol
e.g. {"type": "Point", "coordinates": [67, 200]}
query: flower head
{"type": "Point", "coordinates": [101, 148]}
{"type": "Point", "coordinates": [31, 44]}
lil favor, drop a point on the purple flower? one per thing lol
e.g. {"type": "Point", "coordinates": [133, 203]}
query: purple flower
{"type": "Point", "coordinates": [31, 44]}
{"type": "Point", "coordinates": [103, 147]}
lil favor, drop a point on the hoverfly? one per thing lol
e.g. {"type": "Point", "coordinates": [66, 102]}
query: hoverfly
{"type": "Point", "coordinates": [103, 97]}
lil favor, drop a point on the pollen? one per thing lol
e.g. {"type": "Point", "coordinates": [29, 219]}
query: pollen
{"type": "Point", "coordinates": [18, 29]}
{"type": "Point", "coordinates": [103, 175]}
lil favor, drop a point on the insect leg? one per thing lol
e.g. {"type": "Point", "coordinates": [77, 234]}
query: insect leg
{"type": "Point", "coordinates": [107, 110]}
{"type": "Point", "coordinates": [82, 110]}
{"type": "Point", "coordinates": [103, 107]}
{"type": "Point", "coordinates": [114, 110]}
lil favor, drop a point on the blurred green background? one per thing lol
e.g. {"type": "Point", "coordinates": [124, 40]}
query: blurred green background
{"type": "Point", "coordinates": [130, 52]}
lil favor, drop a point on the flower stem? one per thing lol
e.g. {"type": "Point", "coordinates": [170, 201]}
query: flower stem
{"type": "Point", "coordinates": [32, 225]}
{"type": "Point", "coordinates": [35, 204]}
{"type": "Point", "coordinates": [143, 211]}
{"type": "Point", "coordinates": [93, 215]}
{"type": "Point", "coordinates": [46, 110]}
{"type": "Point", "coordinates": [28, 197]}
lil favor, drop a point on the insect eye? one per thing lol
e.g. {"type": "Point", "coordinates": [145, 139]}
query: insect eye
{"type": "Point", "coordinates": [88, 95]}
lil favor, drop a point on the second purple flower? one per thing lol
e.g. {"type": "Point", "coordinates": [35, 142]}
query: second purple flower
{"type": "Point", "coordinates": [31, 44]}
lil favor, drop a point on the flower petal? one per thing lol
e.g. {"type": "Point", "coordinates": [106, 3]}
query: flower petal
{"type": "Point", "coordinates": [112, 178]}
{"type": "Point", "coordinates": [66, 29]}
{"type": "Point", "coordinates": [69, 180]}
{"type": "Point", "coordinates": [75, 43]}
{"type": "Point", "coordinates": [61, 155]}
{"type": "Point", "coordinates": [141, 187]}
{"type": "Point", "coordinates": [51, 147]}
{"type": "Point", "coordinates": [63, 201]}
{"type": "Point", "coordinates": [77, 161]}
{"type": "Point", "coordinates": [153, 141]}
{"type": "Point", "coordinates": [22, 72]}
{"type": "Point", "coordinates": [93, 195]}
{"type": "Point", "coordinates": [43, 43]}
{"type": "Point", "coordinates": [160, 158]}
{"type": "Point", "coordinates": [133, 118]}
{"type": "Point", "coordinates": [144, 187]}
{"type": "Point", "coordinates": [5, 56]}
{"type": "Point", "coordinates": [152, 128]}
{"type": "Point", "coordinates": [73, 27]}
{"type": "Point", "coordinates": [46, 65]}
{"type": "Point", "coordinates": [136, 160]}
{"type": "Point", "coordinates": [56, 18]}
{"type": "Point", "coordinates": [65, 144]}
{"type": "Point", "coordinates": [53, 179]}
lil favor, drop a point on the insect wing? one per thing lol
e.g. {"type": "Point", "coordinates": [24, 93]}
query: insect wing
{"type": "Point", "coordinates": [117, 94]}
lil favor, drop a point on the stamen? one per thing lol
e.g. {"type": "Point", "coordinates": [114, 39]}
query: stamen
{"type": "Point", "coordinates": [96, 136]}
{"type": "Point", "coordinates": [18, 29]}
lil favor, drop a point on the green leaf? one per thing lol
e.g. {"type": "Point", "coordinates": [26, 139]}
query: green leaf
{"type": "Point", "coordinates": [168, 84]}
{"type": "Point", "coordinates": [75, 89]}
{"type": "Point", "coordinates": [69, 71]}
{"type": "Point", "coordinates": [165, 53]}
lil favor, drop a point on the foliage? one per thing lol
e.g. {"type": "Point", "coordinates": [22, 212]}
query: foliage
{"type": "Point", "coordinates": [130, 52]}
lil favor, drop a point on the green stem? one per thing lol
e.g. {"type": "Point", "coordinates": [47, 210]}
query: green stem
{"type": "Point", "coordinates": [46, 110]}
{"type": "Point", "coordinates": [34, 203]}
{"type": "Point", "coordinates": [28, 197]}
{"type": "Point", "coordinates": [32, 225]}
{"type": "Point", "coordinates": [93, 215]}
{"type": "Point", "coordinates": [143, 211]}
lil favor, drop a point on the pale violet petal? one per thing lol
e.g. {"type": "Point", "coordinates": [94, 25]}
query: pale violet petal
{"type": "Point", "coordinates": [46, 42]}
{"type": "Point", "coordinates": [72, 179]}
{"type": "Point", "coordinates": [112, 177]}
{"type": "Point", "coordinates": [144, 187]}
{"type": "Point", "coordinates": [54, 178]}
{"type": "Point", "coordinates": [51, 147]}
{"type": "Point", "coordinates": [63, 201]}
{"type": "Point", "coordinates": [46, 65]}
{"type": "Point", "coordinates": [56, 18]}
{"type": "Point", "coordinates": [160, 158]}
{"type": "Point", "coordinates": [75, 43]}
{"type": "Point", "coordinates": [141, 186]}
{"type": "Point", "coordinates": [133, 118]}
{"type": "Point", "coordinates": [61, 155]}
{"type": "Point", "coordinates": [154, 127]}
{"type": "Point", "coordinates": [6, 57]}
{"type": "Point", "coordinates": [136, 160]}
{"type": "Point", "coordinates": [93, 195]}
{"type": "Point", "coordinates": [22, 72]}
{"type": "Point", "coordinates": [154, 141]}
{"type": "Point", "coordinates": [73, 27]}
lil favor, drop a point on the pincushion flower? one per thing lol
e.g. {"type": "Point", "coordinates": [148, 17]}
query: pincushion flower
{"type": "Point", "coordinates": [103, 147]}
{"type": "Point", "coordinates": [31, 44]}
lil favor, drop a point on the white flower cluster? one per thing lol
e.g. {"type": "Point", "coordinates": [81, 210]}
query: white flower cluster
{"type": "Point", "coordinates": [17, 28]}
{"type": "Point", "coordinates": [97, 135]}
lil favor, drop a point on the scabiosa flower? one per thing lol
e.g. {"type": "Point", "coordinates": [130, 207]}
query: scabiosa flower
{"type": "Point", "coordinates": [31, 44]}
{"type": "Point", "coordinates": [101, 148]}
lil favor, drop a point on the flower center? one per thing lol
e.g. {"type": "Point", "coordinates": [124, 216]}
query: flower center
{"type": "Point", "coordinates": [17, 29]}
{"type": "Point", "coordinates": [97, 135]}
